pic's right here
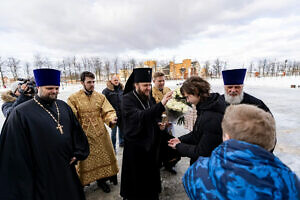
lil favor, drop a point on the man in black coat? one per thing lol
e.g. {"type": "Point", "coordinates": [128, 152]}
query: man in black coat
{"type": "Point", "coordinates": [140, 178]}
{"type": "Point", "coordinates": [39, 144]}
{"type": "Point", "coordinates": [114, 92]}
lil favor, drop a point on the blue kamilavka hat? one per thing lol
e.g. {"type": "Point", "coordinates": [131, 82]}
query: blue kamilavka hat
{"type": "Point", "coordinates": [45, 77]}
{"type": "Point", "coordinates": [234, 76]}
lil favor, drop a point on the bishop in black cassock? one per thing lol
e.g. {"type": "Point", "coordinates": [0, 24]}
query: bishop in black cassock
{"type": "Point", "coordinates": [140, 178]}
{"type": "Point", "coordinates": [39, 144]}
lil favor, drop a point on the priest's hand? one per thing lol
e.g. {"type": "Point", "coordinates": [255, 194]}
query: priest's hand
{"type": "Point", "coordinates": [173, 142]}
{"type": "Point", "coordinates": [73, 160]}
{"type": "Point", "coordinates": [166, 98]}
{"type": "Point", "coordinates": [162, 126]}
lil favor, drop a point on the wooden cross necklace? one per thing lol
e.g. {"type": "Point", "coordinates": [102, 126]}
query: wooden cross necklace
{"type": "Point", "coordinates": [59, 126]}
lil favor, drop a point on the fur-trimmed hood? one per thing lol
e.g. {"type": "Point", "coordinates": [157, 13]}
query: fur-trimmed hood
{"type": "Point", "coordinates": [8, 96]}
{"type": "Point", "coordinates": [110, 86]}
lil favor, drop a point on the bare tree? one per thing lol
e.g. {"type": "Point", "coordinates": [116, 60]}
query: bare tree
{"type": "Point", "coordinates": [141, 64]}
{"type": "Point", "coordinates": [217, 68]}
{"type": "Point", "coordinates": [107, 69]}
{"type": "Point", "coordinates": [59, 66]}
{"type": "Point", "coordinates": [97, 65]}
{"type": "Point", "coordinates": [294, 68]}
{"type": "Point", "coordinates": [69, 65]}
{"type": "Point", "coordinates": [79, 67]}
{"type": "Point", "coordinates": [278, 68]}
{"type": "Point", "coordinates": [290, 68]}
{"type": "Point", "coordinates": [132, 64]}
{"type": "Point", "coordinates": [250, 68]}
{"type": "Point", "coordinates": [116, 65]}
{"type": "Point", "coordinates": [75, 68]}
{"type": "Point", "coordinates": [297, 68]}
{"type": "Point", "coordinates": [271, 68]}
{"type": "Point", "coordinates": [285, 65]}
{"type": "Point", "coordinates": [264, 66]}
{"type": "Point", "coordinates": [261, 67]}
{"type": "Point", "coordinates": [2, 71]}
{"type": "Point", "coordinates": [224, 66]}
{"type": "Point", "coordinates": [47, 63]}
{"type": "Point", "coordinates": [125, 69]}
{"type": "Point", "coordinates": [91, 65]}
{"type": "Point", "coordinates": [38, 61]}
{"type": "Point", "coordinates": [85, 63]}
{"type": "Point", "coordinates": [27, 69]}
{"type": "Point", "coordinates": [64, 66]}
{"type": "Point", "coordinates": [13, 65]}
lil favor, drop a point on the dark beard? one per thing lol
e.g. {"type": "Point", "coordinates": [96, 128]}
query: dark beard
{"type": "Point", "coordinates": [88, 92]}
{"type": "Point", "coordinates": [142, 95]}
{"type": "Point", "coordinates": [48, 99]}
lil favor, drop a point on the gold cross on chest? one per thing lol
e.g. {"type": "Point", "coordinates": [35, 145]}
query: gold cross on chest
{"type": "Point", "coordinates": [59, 127]}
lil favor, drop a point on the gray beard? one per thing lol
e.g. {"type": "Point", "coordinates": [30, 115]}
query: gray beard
{"type": "Point", "coordinates": [234, 100]}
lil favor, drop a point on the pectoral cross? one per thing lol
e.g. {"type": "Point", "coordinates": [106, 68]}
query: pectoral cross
{"type": "Point", "coordinates": [59, 127]}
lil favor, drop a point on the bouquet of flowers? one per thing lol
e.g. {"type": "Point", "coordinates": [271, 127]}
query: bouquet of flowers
{"type": "Point", "coordinates": [177, 107]}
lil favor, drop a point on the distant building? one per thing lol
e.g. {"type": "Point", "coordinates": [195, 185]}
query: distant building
{"type": "Point", "coordinates": [176, 70]}
{"type": "Point", "coordinates": [151, 64]}
{"type": "Point", "coordinates": [184, 70]}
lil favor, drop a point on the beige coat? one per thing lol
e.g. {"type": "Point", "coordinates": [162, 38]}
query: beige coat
{"type": "Point", "coordinates": [159, 95]}
{"type": "Point", "coordinates": [92, 112]}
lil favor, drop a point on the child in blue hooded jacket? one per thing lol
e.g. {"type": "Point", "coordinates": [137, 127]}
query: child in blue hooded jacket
{"type": "Point", "coordinates": [242, 166]}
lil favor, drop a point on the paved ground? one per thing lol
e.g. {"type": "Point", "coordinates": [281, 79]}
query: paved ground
{"type": "Point", "coordinates": [171, 184]}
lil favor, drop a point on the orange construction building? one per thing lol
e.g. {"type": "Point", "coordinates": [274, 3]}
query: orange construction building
{"type": "Point", "coordinates": [176, 70]}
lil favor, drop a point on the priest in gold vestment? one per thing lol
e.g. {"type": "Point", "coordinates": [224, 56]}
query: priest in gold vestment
{"type": "Point", "coordinates": [93, 110]}
{"type": "Point", "coordinates": [168, 157]}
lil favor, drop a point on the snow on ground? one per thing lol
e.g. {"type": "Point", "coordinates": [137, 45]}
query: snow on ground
{"type": "Point", "coordinates": [277, 94]}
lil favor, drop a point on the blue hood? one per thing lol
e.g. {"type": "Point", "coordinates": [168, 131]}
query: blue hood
{"type": "Point", "coordinates": [239, 170]}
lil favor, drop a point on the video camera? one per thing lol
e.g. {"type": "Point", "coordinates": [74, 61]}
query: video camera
{"type": "Point", "coordinates": [31, 86]}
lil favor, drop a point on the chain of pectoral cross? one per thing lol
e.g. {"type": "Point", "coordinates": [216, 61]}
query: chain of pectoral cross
{"type": "Point", "coordinates": [141, 101]}
{"type": "Point", "coordinates": [59, 126]}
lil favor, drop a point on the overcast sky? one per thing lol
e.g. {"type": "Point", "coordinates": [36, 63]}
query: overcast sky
{"type": "Point", "coordinates": [236, 31]}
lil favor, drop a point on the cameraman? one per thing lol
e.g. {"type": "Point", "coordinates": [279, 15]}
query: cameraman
{"type": "Point", "coordinates": [17, 95]}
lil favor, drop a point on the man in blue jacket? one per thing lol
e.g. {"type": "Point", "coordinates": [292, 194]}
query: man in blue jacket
{"type": "Point", "coordinates": [242, 166]}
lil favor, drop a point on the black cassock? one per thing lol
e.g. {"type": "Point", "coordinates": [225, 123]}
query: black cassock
{"type": "Point", "coordinates": [140, 178]}
{"type": "Point", "coordinates": [35, 156]}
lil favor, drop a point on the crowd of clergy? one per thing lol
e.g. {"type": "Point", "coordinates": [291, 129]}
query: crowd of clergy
{"type": "Point", "coordinates": [52, 150]}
